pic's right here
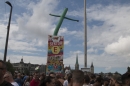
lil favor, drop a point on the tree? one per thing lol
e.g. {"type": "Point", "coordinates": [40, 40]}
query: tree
{"type": "Point", "coordinates": [102, 74]}
{"type": "Point", "coordinates": [10, 67]}
{"type": "Point", "coordinates": [110, 74]}
{"type": "Point", "coordinates": [27, 72]}
{"type": "Point", "coordinates": [117, 73]}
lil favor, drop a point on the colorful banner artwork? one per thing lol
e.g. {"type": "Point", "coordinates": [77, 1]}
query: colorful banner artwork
{"type": "Point", "coordinates": [55, 54]}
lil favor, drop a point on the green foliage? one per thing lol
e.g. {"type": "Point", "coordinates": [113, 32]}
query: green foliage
{"type": "Point", "coordinates": [117, 73]}
{"type": "Point", "coordinates": [10, 67]}
{"type": "Point", "coordinates": [27, 72]}
{"type": "Point", "coordinates": [128, 69]}
{"type": "Point", "coordinates": [110, 74]}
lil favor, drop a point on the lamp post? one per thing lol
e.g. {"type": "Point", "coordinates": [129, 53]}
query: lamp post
{"type": "Point", "coordinates": [8, 28]}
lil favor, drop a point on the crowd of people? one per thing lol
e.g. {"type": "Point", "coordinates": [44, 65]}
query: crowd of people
{"type": "Point", "coordinates": [76, 78]}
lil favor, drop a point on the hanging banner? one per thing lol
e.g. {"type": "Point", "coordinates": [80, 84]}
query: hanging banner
{"type": "Point", "coordinates": [55, 54]}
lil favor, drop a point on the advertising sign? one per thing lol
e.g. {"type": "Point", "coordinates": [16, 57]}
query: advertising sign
{"type": "Point", "coordinates": [55, 54]}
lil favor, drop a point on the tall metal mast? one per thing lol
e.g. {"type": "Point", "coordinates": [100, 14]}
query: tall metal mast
{"type": "Point", "coordinates": [85, 36]}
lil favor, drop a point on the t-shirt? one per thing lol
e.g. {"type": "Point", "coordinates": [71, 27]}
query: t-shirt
{"type": "Point", "coordinates": [14, 84]}
{"type": "Point", "coordinates": [6, 84]}
{"type": "Point", "coordinates": [65, 83]}
{"type": "Point", "coordinates": [19, 81]}
{"type": "Point", "coordinates": [34, 82]}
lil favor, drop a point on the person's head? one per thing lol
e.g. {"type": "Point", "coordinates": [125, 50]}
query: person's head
{"type": "Point", "coordinates": [78, 77]}
{"type": "Point", "coordinates": [126, 79]}
{"type": "Point", "coordinates": [52, 74]}
{"type": "Point", "coordinates": [8, 77]}
{"type": "Point", "coordinates": [2, 69]}
{"type": "Point", "coordinates": [99, 79]}
{"type": "Point", "coordinates": [106, 81]}
{"type": "Point", "coordinates": [58, 77]}
{"type": "Point", "coordinates": [48, 81]}
{"type": "Point", "coordinates": [92, 76]}
{"type": "Point", "coordinates": [69, 78]}
{"type": "Point", "coordinates": [36, 75]}
{"type": "Point", "coordinates": [86, 79]}
{"type": "Point", "coordinates": [27, 79]}
{"type": "Point", "coordinates": [66, 76]}
{"type": "Point", "coordinates": [115, 80]}
{"type": "Point", "coordinates": [22, 75]}
{"type": "Point", "coordinates": [42, 76]}
{"type": "Point", "coordinates": [18, 75]}
{"type": "Point", "coordinates": [58, 83]}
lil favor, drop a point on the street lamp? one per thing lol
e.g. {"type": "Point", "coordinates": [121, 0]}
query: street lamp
{"type": "Point", "coordinates": [8, 28]}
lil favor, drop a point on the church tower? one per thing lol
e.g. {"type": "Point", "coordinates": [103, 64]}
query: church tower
{"type": "Point", "coordinates": [92, 68]}
{"type": "Point", "coordinates": [77, 64]}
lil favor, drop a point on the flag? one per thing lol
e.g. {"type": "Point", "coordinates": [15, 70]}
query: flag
{"type": "Point", "coordinates": [37, 68]}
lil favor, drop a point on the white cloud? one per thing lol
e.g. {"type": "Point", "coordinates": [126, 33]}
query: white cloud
{"type": "Point", "coordinates": [92, 50]}
{"type": "Point", "coordinates": [114, 23]}
{"type": "Point", "coordinates": [108, 68]}
{"type": "Point", "coordinates": [121, 47]}
{"type": "Point", "coordinates": [66, 42]}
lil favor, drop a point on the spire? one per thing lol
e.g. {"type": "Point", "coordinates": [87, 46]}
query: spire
{"type": "Point", "coordinates": [77, 60]}
{"type": "Point", "coordinates": [77, 64]}
{"type": "Point", "coordinates": [92, 64]}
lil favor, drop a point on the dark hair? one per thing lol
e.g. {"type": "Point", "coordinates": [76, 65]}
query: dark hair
{"type": "Point", "coordinates": [86, 79]}
{"type": "Point", "coordinates": [69, 78]}
{"type": "Point", "coordinates": [48, 79]}
{"type": "Point", "coordinates": [51, 73]}
{"type": "Point", "coordinates": [125, 77]}
{"type": "Point", "coordinates": [78, 76]}
{"type": "Point", "coordinates": [58, 76]}
{"type": "Point", "coordinates": [28, 79]}
{"type": "Point", "coordinates": [92, 76]}
{"type": "Point", "coordinates": [3, 64]}
{"type": "Point", "coordinates": [99, 79]}
{"type": "Point", "coordinates": [58, 83]}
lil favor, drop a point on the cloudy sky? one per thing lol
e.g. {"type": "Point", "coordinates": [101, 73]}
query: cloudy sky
{"type": "Point", "coordinates": [108, 33]}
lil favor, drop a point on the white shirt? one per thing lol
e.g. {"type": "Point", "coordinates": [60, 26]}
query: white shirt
{"type": "Point", "coordinates": [14, 83]}
{"type": "Point", "coordinates": [65, 83]}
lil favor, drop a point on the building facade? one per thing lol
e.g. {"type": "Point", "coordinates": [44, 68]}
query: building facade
{"type": "Point", "coordinates": [28, 67]}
